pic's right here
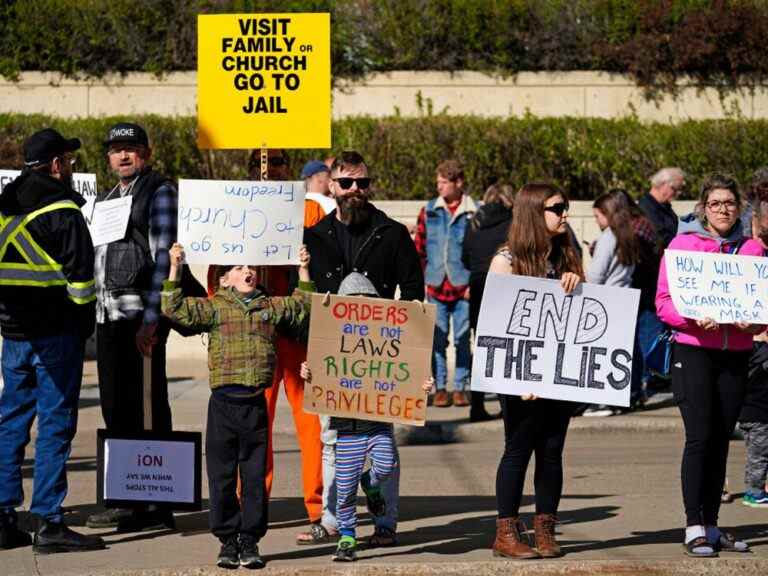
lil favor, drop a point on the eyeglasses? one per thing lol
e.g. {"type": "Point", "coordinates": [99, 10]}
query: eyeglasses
{"type": "Point", "coordinates": [71, 160]}
{"type": "Point", "coordinates": [120, 148]}
{"type": "Point", "coordinates": [346, 183]}
{"type": "Point", "coordinates": [557, 209]}
{"type": "Point", "coordinates": [718, 205]}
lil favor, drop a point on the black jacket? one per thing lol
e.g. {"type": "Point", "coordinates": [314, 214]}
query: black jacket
{"type": "Point", "coordinates": [486, 232]}
{"type": "Point", "coordinates": [661, 216]}
{"type": "Point", "coordinates": [32, 312]}
{"type": "Point", "coordinates": [387, 258]}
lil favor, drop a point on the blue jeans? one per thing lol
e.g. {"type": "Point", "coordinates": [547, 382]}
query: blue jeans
{"type": "Point", "coordinates": [390, 487]}
{"type": "Point", "coordinates": [42, 378]}
{"type": "Point", "coordinates": [459, 311]}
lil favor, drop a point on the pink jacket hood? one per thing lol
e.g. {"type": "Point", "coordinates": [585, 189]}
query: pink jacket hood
{"type": "Point", "coordinates": [727, 336]}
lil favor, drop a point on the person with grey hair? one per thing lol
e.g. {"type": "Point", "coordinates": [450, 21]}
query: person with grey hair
{"type": "Point", "coordinates": [657, 203]}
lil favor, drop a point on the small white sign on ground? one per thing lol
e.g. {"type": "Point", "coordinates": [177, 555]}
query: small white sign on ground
{"type": "Point", "coordinates": [149, 470]}
{"type": "Point", "coordinates": [241, 222]}
{"type": "Point", "coordinates": [532, 338]}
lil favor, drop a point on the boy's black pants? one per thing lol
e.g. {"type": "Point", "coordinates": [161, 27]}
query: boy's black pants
{"type": "Point", "coordinates": [237, 440]}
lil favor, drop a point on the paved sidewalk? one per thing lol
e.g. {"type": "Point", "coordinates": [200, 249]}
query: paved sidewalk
{"type": "Point", "coordinates": [621, 511]}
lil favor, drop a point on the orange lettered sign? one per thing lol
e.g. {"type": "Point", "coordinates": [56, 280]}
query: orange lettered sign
{"type": "Point", "coordinates": [264, 80]}
{"type": "Point", "coordinates": [369, 358]}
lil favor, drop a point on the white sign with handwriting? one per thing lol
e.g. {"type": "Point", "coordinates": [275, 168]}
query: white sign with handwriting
{"type": "Point", "coordinates": [241, 222]}
{"type": "Point", "coordinates": [724, 287]}
{"type": "Point", "coordinates": [110, 219]}
{"type": "Point", "coordinates": [84, 184]}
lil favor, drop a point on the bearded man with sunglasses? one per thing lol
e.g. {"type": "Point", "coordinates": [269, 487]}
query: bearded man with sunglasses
{"type": "Point", "coordinates": [357, 237]}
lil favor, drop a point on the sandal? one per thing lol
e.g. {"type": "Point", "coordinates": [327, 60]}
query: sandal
{"type": "Point", "coordinates": [382, 537]}
{"type": "Point", "coordinates": [729, 543]}
{"type": "Point", "coordinates": [700, 548]}
{"type": "Point", "coordinates": [318, 534]}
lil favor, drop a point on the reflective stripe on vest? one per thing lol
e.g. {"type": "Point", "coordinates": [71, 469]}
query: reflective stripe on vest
{"type": "Point", "coordinates": [38, 268]}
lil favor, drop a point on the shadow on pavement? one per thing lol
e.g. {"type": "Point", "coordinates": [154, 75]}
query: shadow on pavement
{"type": "Point", "coordinates": [457, 536]}
{"type": "Point", "coordinates": [74, 464]}
{"type": "Point", "coordinates": [668, 536]}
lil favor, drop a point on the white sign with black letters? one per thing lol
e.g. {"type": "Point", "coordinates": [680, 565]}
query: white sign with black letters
{"type": "Point", "coordinates": [149, 470]}
{"type": "Point", "coordinates": [532, 338]}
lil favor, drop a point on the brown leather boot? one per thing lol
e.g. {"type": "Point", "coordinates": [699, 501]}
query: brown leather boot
{"type": "Point", "coordinates": [508, 543]}
{"type": "Point", "coordinates": [544, 529]}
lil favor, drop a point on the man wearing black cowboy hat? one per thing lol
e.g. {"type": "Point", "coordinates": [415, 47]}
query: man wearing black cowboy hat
{"type": "Point", "coordinates": [47, 297]}
{"type": "Point", "coordinates": [129, 276]}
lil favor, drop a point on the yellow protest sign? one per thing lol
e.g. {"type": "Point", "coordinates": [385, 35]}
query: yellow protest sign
{"type": "Point", "coordinates": [264, 80]}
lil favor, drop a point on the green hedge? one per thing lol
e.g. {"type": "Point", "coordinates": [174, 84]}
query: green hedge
{"type": "Point", "coordinates": [719, 42]}
{"type": "Point", "coordinates": [584, 156]}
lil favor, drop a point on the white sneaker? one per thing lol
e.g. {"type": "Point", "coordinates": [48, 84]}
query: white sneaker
{"type": "Point", "coordinates": [600, 411]}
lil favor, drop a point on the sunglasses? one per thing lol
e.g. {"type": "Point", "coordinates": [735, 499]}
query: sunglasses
{"type": "Point", "coordinates": [557, 209]}
{"type": "Point", "coordinates": [276, 161]}
{"type": "Point", "coordinates": [346, 183]}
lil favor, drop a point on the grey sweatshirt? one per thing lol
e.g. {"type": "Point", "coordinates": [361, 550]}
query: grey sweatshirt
{"type": "Point", "coordinates": [605, 267]}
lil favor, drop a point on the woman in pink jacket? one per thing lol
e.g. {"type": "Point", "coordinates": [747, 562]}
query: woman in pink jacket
{"type": "Point", "coordinates": [709, 370]}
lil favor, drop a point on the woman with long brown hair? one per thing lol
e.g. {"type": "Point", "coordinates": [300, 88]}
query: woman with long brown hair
{"type": "Point", "coordinates": [538, 245]}
{"type": "Point", "coordinates": [617, 250]}
{"type": "Point", "coordinates": [615, 257]}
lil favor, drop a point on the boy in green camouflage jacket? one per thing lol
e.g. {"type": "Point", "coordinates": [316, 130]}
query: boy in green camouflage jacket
{"type": "Point", "coordinates": [241, 320]}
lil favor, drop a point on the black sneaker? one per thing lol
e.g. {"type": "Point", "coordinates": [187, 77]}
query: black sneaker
{"type": "Point", "coordinates": [147, 519]}
{"type": "Point", "coordinates": [374, 499]}
{"type": "Point", "coordinates": [249, 553]}
{"type": "Point", "coordinates": [53, 537]}
{"type": "Point", "coordinates": [229, 555]}
{"type": "Point", "coordinates": [346, 551]}
{"type": "Point", "coordinates": [109, 518]}
{"type": "Point", "coordinates": [10, 534]}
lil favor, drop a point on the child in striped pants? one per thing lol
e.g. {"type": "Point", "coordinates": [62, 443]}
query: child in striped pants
{"type": "Point", "coordinates": [356, 441]}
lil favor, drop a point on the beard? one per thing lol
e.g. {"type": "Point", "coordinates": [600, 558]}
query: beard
{"type": "Point", "coordinates": [353, 209]}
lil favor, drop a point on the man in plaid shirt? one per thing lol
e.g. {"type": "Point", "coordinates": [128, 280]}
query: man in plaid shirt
{"type": "Point", "coordinates": [439, 240]}
{"type": "Point", "coordinates": [129, 277]}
